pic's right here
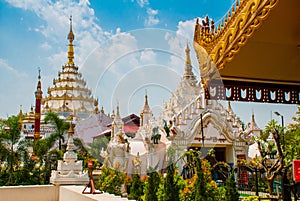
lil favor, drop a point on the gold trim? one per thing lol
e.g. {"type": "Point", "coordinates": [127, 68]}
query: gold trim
{"type": "Point", "coordinates": [237, 27]}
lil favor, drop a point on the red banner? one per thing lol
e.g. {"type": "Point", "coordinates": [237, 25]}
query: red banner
{"type": "Point", "coordinates": [296, 170]}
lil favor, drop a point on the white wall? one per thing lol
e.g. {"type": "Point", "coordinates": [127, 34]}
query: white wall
{"type": "Point", "coordinates": [30, 193]}
{"type": "Point", "coordinates": [52, 193]}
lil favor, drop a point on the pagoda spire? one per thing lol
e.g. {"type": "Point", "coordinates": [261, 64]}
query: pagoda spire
{"type": "Point", "coordinates": [71, 38]}
{"type": "Point", "coordinates": [187, 52]}
{"type": "Point", "coordinates": [20, 117]}
{"type": "Point", "coordinates": [146, 112]}
{"type": "Point", "coordinates": [38, 101]}
{"type": "Point", "coordinates": [188, 72]}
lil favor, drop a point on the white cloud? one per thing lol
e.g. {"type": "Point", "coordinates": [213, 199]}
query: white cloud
{"type": "Point", "coordinates": [148, 56]}
{"type": "Point", "coordinates": [111, 62]}
{"type": "Point", "coordinates": [46, 46]}
{"type": "Point", "coordinates": [152, 17]}
{"type": "Point", "coordinates": [142, 3]}
{"type": "Point", "coordinates": [186, 28]}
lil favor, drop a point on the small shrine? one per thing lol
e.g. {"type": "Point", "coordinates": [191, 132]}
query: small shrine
{"type": "Point", "coordinates": [69, 170]}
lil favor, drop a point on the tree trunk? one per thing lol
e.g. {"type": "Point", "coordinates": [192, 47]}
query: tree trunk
{"type": "Point", "coordinates": [270, 186]}
{"type": "Point", "coordinates": [59, 144]}
{"type": "Point", "coordinates": [287, 191]}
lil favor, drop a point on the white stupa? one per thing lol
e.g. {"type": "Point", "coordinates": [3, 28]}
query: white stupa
{"type": "Point", "coordinates": [69, 170]}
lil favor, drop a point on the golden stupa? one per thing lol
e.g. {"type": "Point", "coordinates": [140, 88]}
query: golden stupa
{"type": "Point", "coordinates": [69, 94]}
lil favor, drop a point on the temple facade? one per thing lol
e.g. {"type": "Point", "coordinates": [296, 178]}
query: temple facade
{"type": "Point", "coordinates": [188, 121]}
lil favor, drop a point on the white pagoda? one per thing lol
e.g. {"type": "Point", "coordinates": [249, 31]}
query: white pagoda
{"type": "Point", "coordinates": [69, 94]}
{"type": "Point", "coordinates": [69, 170]}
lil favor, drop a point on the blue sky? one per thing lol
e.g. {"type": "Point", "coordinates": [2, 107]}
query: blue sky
{"type": "Point", "coordinates": [122, 47]}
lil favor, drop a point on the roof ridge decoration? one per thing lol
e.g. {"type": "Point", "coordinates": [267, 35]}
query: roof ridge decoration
{"type": "Point", "coordinates": [236, 28]}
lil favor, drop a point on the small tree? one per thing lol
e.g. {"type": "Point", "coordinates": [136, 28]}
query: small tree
{"type": "Point", "coordinates": [60, 126]}
{"type": "Point", "coordinates": [268, 149]}
{"type": "Point", "coordinates": [111, 181]}
{"type": "Point", "coordinates": [171, 186]}
{"type": "Point", "coordinates": [136, 189]}
{"type": "Point", "coordinates": [232, 193]}
{"type": "Point", "coordinates": [200, 186]}
{"type": "Point", "coordinates": [152, 184]}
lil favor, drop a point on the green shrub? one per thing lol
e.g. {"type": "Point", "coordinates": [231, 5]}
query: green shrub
{"type": "Point", "coordinates": [251, 198]}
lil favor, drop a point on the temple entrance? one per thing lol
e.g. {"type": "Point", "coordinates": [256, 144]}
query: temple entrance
{"type": "Point", "coordinates": [220, 153]}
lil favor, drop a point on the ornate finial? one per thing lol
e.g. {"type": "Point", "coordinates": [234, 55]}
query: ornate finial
{"type": "Point", "coordinates": [187, 52]}
{"type": "Point", "coordinates": [71, 129]}
{"type": "Point", "coordinates": [71, 37]}
{"type": "Point", "coordinates": [118, 109]}
{"type": "Point", "coordinates": [188, 72]}
{"type": "Point", "coordinates": [96, 102]}
{"type": "Point", "coordinates": [39, 69]}
{"type": "Point", "coordinates": [146, 108]}
{"type": "Point", "coordinates": [102, 109]}
{"type": "Point", "coordinates": [112, 114]}
{"type": "Point", "coordinates": [39, 85]}
{"type": "Point", "coordinates": [146, 97]}
{"type": "Point", "coordinates": [96, 106]}
{"type": "Point", "coordinates": [20, 117]}
{"type": "Point", "coordinates": [229, 106]}
{"type": "Point", "coordinates": [253, 119]}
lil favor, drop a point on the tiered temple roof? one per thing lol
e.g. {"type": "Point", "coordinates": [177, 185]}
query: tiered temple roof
{"type": "Point", "coordinates": [69, 94]}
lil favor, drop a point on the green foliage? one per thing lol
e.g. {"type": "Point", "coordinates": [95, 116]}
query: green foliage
{"type": "Point", "coordinates": [251, 198]}
{"type": "Point", "coordinates": [292, 139]}
{"type": "Point", "coordinates": [232, 193]}
{"type": "Point", "coordinates": [60, 126]}
{"type": "Point", "coordinates": [136, 188]}
{"type": "Point", "coordinates": [201, 186]}
{"type": "Point", "coordinates": [97, 145]}
{"type": "Point", "coordinates": [220, 193]}
{"type": "Point", "coordinates": [172, 189]}
{"type": "Point", "coordinates": [111, 181]}
{"type": "Point", "coordinates": [267, 149]}
{"type": "Point", "coordinates": [151, 185]}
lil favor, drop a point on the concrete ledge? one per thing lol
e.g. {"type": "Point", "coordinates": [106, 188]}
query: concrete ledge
{"type": "Point", "coordinates": [74, 193]}
{"type": "Point", "coordinates": [52, 193]}
{"type": "Point", "coordinates": [29, 193]}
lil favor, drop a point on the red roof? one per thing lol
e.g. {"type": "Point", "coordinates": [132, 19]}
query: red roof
{"type": "Point", "coordinates": [131, 129]}
{"type": "Point", "coordinates": [131, 125]}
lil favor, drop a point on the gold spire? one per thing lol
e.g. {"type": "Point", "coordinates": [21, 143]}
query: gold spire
{"type": "Point", "coordinates": [102, 109]}
{"type": "Point", "coordinates": [71, 37]}
{"type": "Point", "coordinates": [71, 129]}
{"type": "Point", "coordinates": [188, 72]}
{"type": "Point", "coordinates": [118, 110]}
{"type": "Point", "coordinates": [146, 108]}
{"type": "Point", "coordinates": [20, 117]}
{"type": "Point", "coordinates": [229, 106]}
{"type": "Point", "coordinates": [113, 114]}
{"type": "Point", "coordinates": [187, 52]}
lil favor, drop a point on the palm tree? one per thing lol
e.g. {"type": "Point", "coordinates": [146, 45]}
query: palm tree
{"type": "Point", "coordinates": [60, 126]}
{"type": "Point", "coordinates": [10, 135]}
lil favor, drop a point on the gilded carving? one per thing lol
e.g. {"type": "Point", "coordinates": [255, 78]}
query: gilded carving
{"type": "Point", "coordinates": [232, 34]}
